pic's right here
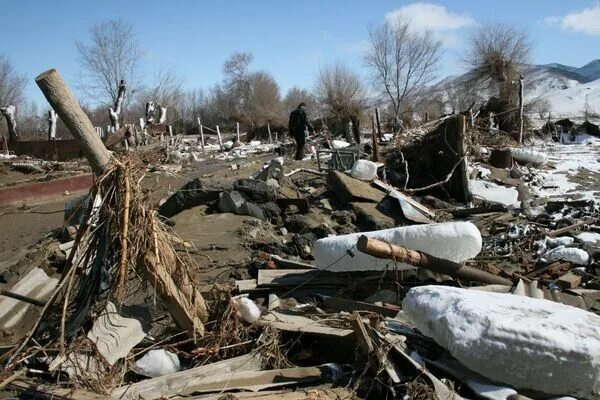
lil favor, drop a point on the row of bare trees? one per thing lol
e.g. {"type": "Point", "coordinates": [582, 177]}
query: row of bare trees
{"type": "Point", "coordinates": [402, 63]}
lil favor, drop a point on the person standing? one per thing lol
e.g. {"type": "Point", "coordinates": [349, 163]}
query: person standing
{"type": "Point", "coordinates": [298, 124]}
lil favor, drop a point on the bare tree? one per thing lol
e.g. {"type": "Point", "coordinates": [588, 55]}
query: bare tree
{"type": "Point", "coordinates": [111, 56]}
{"type": "Point", "coordinates": [402, 62]}
{"type": "Point", "coordinates": [342, 94]}
{"type": "Point", "coordinates": [497, 53]}
{"type": "Point", "coordinates": [262, 104]}
{"type": "Point", "coordinates": [295, 96]}
{"type": "Point", "coordinates": [12, 85]}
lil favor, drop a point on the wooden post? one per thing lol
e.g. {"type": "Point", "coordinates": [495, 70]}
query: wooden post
{"type": "Point", "coordinates": [521, 109]}
{"type": "Point", "coordinates": [463, 169]}
{"type": "Point", "coordinates": [52, 117]}
{"type": "Point", "coordinates": [269, 130]}
{"type": "Point", "coordinates": [9, 111]}
{"type": "Point", "coordinates": [375, 142]}
{"type": "Point", "coordinates": [66, 106]}
{"type": "Point", "coordinates": [149, 112]}
{"type": "Point", "coordinates": [237, 129]}
{"type": "Point", "coordinates": [426, 117]}
{"type": "Point", "coordinates": [380, 249]}
{"type": "Point", "coordinates": [378, 120]}
{"type": "Point", "coordinates": [201, 133]}
{"type": "Point", "coordinates": [162, 116]}
{"type": "Point", "coordinates": [220, 139]}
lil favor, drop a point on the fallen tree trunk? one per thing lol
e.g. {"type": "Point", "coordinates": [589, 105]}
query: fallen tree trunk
{"type": "Point", "coordinates": [164, 270]}
{"type": "Point", "coordinates": [66, 106]}
{"type": "Point", "coordinates": [381, 249]}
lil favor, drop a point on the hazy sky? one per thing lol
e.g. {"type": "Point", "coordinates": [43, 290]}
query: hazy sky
{"type": "Point", "coordinates": [289, 39]}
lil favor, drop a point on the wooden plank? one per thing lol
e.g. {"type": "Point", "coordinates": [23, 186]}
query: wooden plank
{"type": "Point", "coordinates": [246, 285]}
{"type": "Point", "coordinates": [179, 382]}
{"type": "Point", "coordinates": [340, 304]}
{"type": "Point", "coordinates": [297, 394]}
{"type": "Point", "coordinates": [258, 380]}
{"type": "Point", "coordinates": [300, 324]}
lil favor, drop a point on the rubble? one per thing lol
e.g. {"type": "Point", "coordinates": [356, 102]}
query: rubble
{"type": "Point", "coordinates": [334, 277]}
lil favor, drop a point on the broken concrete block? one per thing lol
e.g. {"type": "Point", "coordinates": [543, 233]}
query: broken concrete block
{"type": "Point", "coordinates": [256, 190]}
{"type": "Point", "coordinates": [347, 189]}
{"type": "Point", "coordinates": [523, 342]}
{"type": "Point", "coordinates": [454, 241]}
{"type": "Point", "coordinates": [230, 201]}
{"type": "Point", "coordinates": [115, 336]}
{"type": "Point", "coordinates": [569, 281]}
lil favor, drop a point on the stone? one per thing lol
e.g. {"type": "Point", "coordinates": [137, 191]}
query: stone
{"type": "Point", "coordinates": [347, 189]}
{"type": "Point", "coordinates": [192, 194]}
{"type": "Point", "coordinates": [523, 342]}
{"type": "Point", "coordinates": [256, 190]}
{"type": "Point", "coordinates": [230, 202]}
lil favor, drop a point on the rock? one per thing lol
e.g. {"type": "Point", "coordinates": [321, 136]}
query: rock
{"type": "Point", "coordinates": [192, 194]}
{"type": "Point", "coordinates": [523, 342]}
{"type": "Point", "coordinates": [274, 170]}
{"type": "Point", "coordinates": [256, 190]}
{"type": "Point", "coordinates": [272, 212]}
{"type": "Point", "coordinates": [251, 210]}
{"type": "Point", "coordinates": [343, 217]}
{"type": "Point", "coordinates": [369, 218]}
{"type": "Point", "coordinates": [230, 202]}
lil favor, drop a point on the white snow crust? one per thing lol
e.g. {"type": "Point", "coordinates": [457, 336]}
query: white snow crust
{"type": "Point", "coordinates": [530, 156]}
{"type": "Point", "coordinates": [493, 193]}
{"type": "Point", "coordinates": [364, 170]}
{"type": "Point", "coordinates": [523, 342]}
{"type": "Point", "coordinates": [571, 254]}
{"type": "Point", "coordinates": [455, 241]}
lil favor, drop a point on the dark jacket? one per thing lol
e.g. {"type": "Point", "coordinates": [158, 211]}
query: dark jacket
{"type": "Point", "coordinates": [299, 122]}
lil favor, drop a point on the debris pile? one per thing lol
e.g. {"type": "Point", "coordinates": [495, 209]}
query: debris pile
{"type": "Point", "coordinates": [428, 277]}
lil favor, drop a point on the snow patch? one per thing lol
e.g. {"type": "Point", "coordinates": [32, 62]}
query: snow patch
{"type": "Point", "coordinates": [516, 340]}
{"type": "Point", "coordinates": [576, 256]}
{"type": "Point", "coordinates": [494, 193]}
{"type": "Point", "coordinates": [455, 241]}
{"type": "Point", "coordinates": [589, 237]}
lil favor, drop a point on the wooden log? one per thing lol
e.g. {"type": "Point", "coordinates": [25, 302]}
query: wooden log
{"type": "Point", "coordinates": [380, 249]}
{"type": "Point", "coordinates": [463, 169]}
{"type": "Point", "coordinates": [220, 138]}
{"type": "Point", "coordinates": [66, 106]}
{"type": "Point", "coordinates": [378, 120]}
{"type": "Point", "coordinates": [201, 133]}
{"type": "Point", "coordinates": [375, 142]}
{"type": "Point", "coordinates": [52, 117]}
{"type": "Point", "coordinates": [521, 109]}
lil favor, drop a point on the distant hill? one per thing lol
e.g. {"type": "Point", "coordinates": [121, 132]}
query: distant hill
{"type": "Point", "coordinates": [563, 86]}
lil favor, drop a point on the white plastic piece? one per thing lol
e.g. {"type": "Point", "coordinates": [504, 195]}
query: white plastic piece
{"type": "Point", "coordinates": [339, 144]}
{"type": "Point", "coordinates": [157, 363]}
{"type": "Point", "coordinates": [530, 156]}
{"type": "Point", "coordinates": [364, 170]}
{"type": "Point", "coordinates": [571, 254]}
{"type": "Point", "coordinates": [454, 241]}
{"type": "Point", "coordinates": [248, 310]}
{"type": "Point", "coordinates": [559, 241]}
{"type": "Point", "coordinates": [523, 342]}
{"type": "Point", "coordinates": [494, 193]}
{"type": "Point", "coordinates": [589, 237]}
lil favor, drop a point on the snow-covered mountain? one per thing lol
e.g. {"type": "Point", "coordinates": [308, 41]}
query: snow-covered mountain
{"type": "Point", "coordinates": [563, 86]}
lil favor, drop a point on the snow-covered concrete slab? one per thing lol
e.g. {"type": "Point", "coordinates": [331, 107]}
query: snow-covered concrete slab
{"type": "Point", "coordinates": [455, 241]}
{"type": "Point", "coordinates": [494, 193]}
{"type": "Point", "coordinates": [523, 342]}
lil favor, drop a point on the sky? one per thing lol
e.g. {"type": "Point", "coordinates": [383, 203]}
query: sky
{"type": "Point", "coordinates": [291, 40]}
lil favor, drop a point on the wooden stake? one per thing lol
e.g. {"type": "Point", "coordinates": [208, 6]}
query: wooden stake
{"type": "Point", "coordinates": [67, 107]}
{"type": "Point", "coordinates": [220, 139]}
{"type": "Point", "coordinates": [463, 169]}
{"type": "Point", "coordinates": [375, 142]}
{"type": "Point", "coordinates": [378, 120]}
{"type": "Point", "coordinates": [269, 129]}
{"type": "Point", "coordinates": [380, 249]}
{"type": "Point", "coordinates": [521, 109]}
{"type": "Point", "coordinates": [201, 133]}
{"type": "Point", "coordinates": [237, 128]}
